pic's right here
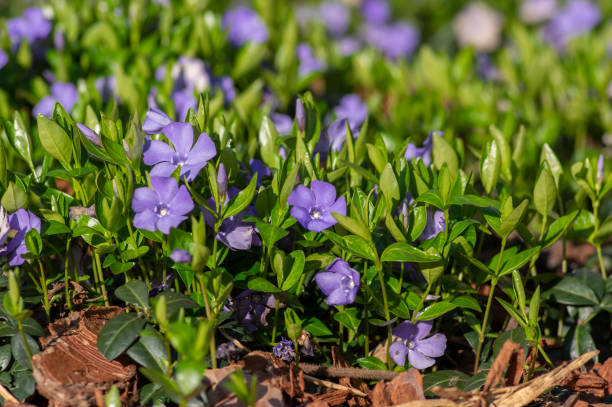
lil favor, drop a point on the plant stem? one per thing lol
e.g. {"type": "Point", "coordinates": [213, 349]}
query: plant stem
{"type": "Point", "coordinates": [367, 322]}
{"type": "Point", "coordinates": [24, 338]}
{"type": "Point", "coordinates": [101, 278]}
{"type": "Point", "coordinates": [45, 293]}
{"type": "Point", "coordinates": [275, 321]}
{"type": "Point", "coordinates": [602, 266]}
{"type": "Point", "coordinates": [421, 301]}
{"type": "Point", "coordinates": [67, 277]}
{"type": "Point", "coordinates": [381, 279]}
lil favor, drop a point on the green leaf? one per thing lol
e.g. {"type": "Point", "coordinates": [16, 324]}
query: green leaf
{"type": "Point", "coordinates": [134, 292]}
{"type": "Point", "coordinates": [431, 197]}
{"type": "Point", "coordinates": [372, 363]}
{"type": "Point", "coordinates": [297, 269]}
{"type": "Point", "coordinates": [353, 225]}
{"type": "Point", "coordinates": [348, 318]}
{"type": "Point", "coordinates": [176, 301]}
{"type": "Point", "coordinates": [150, 350]}
{"type": "Point", "coordinates": [504, 153]}
{"type": "Point", "coordinates": [118, 334]}
{"type": "Point", "coordinates": [510, 222]}
{"type": "Point", "coordinates": [242, 200]}
{"type": "Point", "coordinates": [270, 234]}
{"type": "Point", "coordinates": [388, 184]}
{"type": "Point", "coordinates": [572, 291]}
{"type": "Point", "coordinates": [534, 307]}
{"type": "Point", "coordinates": [548, 155]}
{"type": "Point", "coordinates": [582, 341]}
{"type": "Point", "coordinates": [490, 166]}
{"type": "Point", "coordinates": [405, 252]}
{"type": "Point", "coordinates": [545, 192]}
{"type": "Point", "coordinates": [19, 350]}
{"type": "Point", "coordinates": [316, 327]}
{"type": "Point", "coordinates": [188, 375]}
{"type": "Point", "coordinates": [289, 184]}
{"type": "Point", "coordinates": [518, 260]}
{"type": "Point", "coordinates": [267, 143]}
{"type": "Point", "coordinates": [604, 232]}
{"type": "Point", "coordinates": [33, 242]}
{"type": "Point", "coordinates": [360, 247]}
{"type": "Point", "coordinates": [519, 290]}
{"type": "Point", "coordinates": [443, 153]}
{"type": "Point", "coordinates": [20, 139]}
{"type": "Point", "coordinates": [513, 312]}
{"type": "Point", "coordinates": [436, 310]}
{"type": "Point", "coordinates": [55, 141]}
{"type": "Point", "coordinates": [466, 301]}
{"type": "Point", "coordinates": [261, 284]}
{"type": "Point", "coordinates": [444, 378]}
{"type": "Point", "coordinates": [558, 228]}
{"type": "Point", "coordinates": [14, 198]}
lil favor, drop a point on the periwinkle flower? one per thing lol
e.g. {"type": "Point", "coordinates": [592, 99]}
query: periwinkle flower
{"type": "Point", "coordinates": [59, 40]}
{"type": "Point", "coordinates": [577, 17]}
{"type": "Point", "coordinates": [421, 351]}
{"type": "Point", "coordinates": [395, 40]}
{"type": "Point", "coordinates": [222, 180]}
{"type": "Point", "coordinates": [309, 63]}
{"type": "Point", "coordinates": [259, 168]}
{"type": "Point", "coordinates": [3, 58]}
{"type": "Point", "coordinates": [313, 207]}
{"type": "Point", "coordinates": [161, 207]}
{"type": "Point", "coordinates": [90, 134]}
{"type": "Point", "coordinates": [600, 168]}
{"type": "Point", "coordinates": [376, 11]}
{"type": "Point", "coordinates": [244, 25]}
{"type": "Point", "coordinates": [336, 17]}
{"type": "Point", "coordinates": [226, 84]}
{"type": "Point", "coordinates": [282, 122]}
{"type": "Point", "coordinates": [536, 11]}
{"type": "Point", "coordinates": [107, 87]}
{"type": "Point", "coordinates": [161, 287]}
{"type": "Point", "coordinates": [190, 73]}
{"type": "Point", "coordinates": [191, 158]}
{"type": "Point", "coordinates": [347, 46]}
{"type": "Point", "coordinates": [62, 92]}
{"type": "Point", "coordinates": [31, 25]}
{"type": "Point", "coordinates": [252, 308]}
{"type": "Point", "coordinates": [352, 108]}
{"type": "Point", "coordinates": [285, 350]}
{"type": "Point", "coordinates": [181, 256]}
{"type": "Point", "coordinates": [227, 350]}
{"type": "Point", "coordinates": [21, 221]}
{"type": "Point", "coordinates": [424, 152]}
{"type": "Point", "coordinates": [155, 121]}
{"type": "Point", "coordinates": [480, 26]}
{"type": "Point", "coordinates": [183, 101]}
{"type": "Point", "coordinates": [435, 224]}
{"type": "Point", "coordinates": [339, 282]}
{"type": "Point", "coordinates": [336, 136]}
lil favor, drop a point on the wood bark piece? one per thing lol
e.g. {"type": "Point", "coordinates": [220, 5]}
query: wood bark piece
{"type": "Point", "coordinates": [508, 350]}
{"type": "Point", "coordinates": [407, 386]}
{"type": "Point", "coordinates": [70, 369]}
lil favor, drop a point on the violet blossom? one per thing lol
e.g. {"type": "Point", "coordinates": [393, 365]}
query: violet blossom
{"type": "Point", "coordinates": [3, 58]}
{"type": "Point", "coordinates": [155, 121]}
{"type": "Point", "coordinates": [32, 25]}
{"type": "Point", "coordinates": [21, 221]}
{"type": "Point", "coordinates": [600, 168]}
{"type": "Point", "coordinates": [313, 207]}
{"type": "Point", "coordinates": [478, 25]}
{"type": "Point", "coordinates": [181, 256]}
{"type": "Point", "coordinates": [300, 115]}
{"type": "Point", "coordinates": [435, 224]}
{"type": "Point", "coordinates": [577, 17]}
{"type": "Point", "coordinates": [259, 168]}
{"type": "Point", "coordinates": [336, 17]}
{"type": "Point", "coordinates": [161, 287]}
{"type": "Point", "coordinates": [244, 25]}
{"type": "Point", "coordinates": [107, 87]}
{"type": "Point", "coordinates": [536, 11]}
{"type": "Point", "coordinates": [90, 134]}
{"type": "Point", "coordinates": [376, 11]}
{"type": "Point", "coordinates": [309, 63]}
{"type": "Point", "coordinates": [421, 351]}
{"type": "Point", "coordinates": [282, 122]}
{"type": "Point", "coordinates": [63, 93]}
{"type": "Point", "coordinates": [191, 158]}
{"type": "Point", "coordinates": [161, 207]}
{"type": "Point", "coordinates": [339, 282]}
{"type": "Point", "coordinates": [395, 40]}
{"type": "Point", "coordinates": [285, 350]}
{"type": "Point", "coordinates": [424, 152]}
{"type": "Point", "coordinates": [347, 46]}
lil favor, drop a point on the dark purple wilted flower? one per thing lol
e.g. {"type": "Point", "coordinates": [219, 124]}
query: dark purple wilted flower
{"type": "Point", "coordinates": [155, 121]}
{"type": "Point", "coordinates": [313, 207]}
{"type": "Point", "coordinates": [309, 63]}
{"type": "Point", "coordinates": [376, 11]}
{"type": "Point", "coordinates": [339, 282]}
{"type": "Point", "coordinates": [191, 158]}
{"type": "Point", "coordinates": [305, 343]}
{"type": "Point", "coordinates": [536, 11]}
{"type": "Point", "coordinates": [90, 134]}
{"type": "Point", "coordinates": [424, 153]}
{"type": "Point", "coordinates": [282, 122]}
{"type": "Point", "coordinates": [181, 256]}
{"type": "Point", "coordinates": [577, 17]}
{"type": "Point", "coordinates": [600, 168]}
{"type": "Point", "coordinates": [244, 25]}
{"type": "Point", "coordinates": [228, 351]}
{"type": "Point", "coordinates": [435, 225]}
{"type": "Point", "coordinates": [21, 222]}
{"type": "Point", "coordinates": [3, 58]}
{"type": "Point", "coordinates": [161, 207]}
{"type": "Point", "coordinates": [107, 87]}
{"type": "Point", "coordinates": [161, 287]}
{"type": "Point", "coordinates": [32, 25]}
{"type": "Point", "coordinates": [62, 92]}
{"type": "Point", "coordinates": [395, 40]}
{"type": "Point", "coordinates": [420, 351]}
{"type": "Point", "coordinates": [285, 349]}
{"type": "Point", "coordinates": [252, 308]}
{"type": "Point", "coordinates": [336, 17]}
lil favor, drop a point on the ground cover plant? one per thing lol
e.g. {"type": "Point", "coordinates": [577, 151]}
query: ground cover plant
{"type": "Point", "coordinates": [213, 202]}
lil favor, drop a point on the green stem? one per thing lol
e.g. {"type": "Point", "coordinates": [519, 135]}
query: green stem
{"type": "Point", "coordinates": [276, 305]}
{"type": "Point", "coordinates": [602, 266]}
{"type": "Point", "coordinates": [45, 293]}
{"type": "Point", "coordinates": [101, 278]}
{"type": "Point", "coordinates": [367, 322]}
{"type": "Point", "coordinates": [421, 301]}
{"type": "Point", "coordinates": [23, 337]}
{"type": "Point", "coordinates": [386, 308]}
{"type": "Point", "coordinates": [67, 277]}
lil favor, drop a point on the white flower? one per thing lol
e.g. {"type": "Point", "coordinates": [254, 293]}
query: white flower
{"type": "Point", "coordinates": [4, 226]}
{"type": "Point", "coordinates": [536, 11]}
{"type": "Point", "coordinates": [478, 25]}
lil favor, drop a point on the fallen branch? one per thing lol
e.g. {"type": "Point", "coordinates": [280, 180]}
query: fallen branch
{"type": "Point", "coordinates": [350, 372]}
{"type": "Point", "coordinates": [332, 385]}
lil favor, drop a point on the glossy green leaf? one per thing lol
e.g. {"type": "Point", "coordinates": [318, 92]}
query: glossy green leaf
{"type": "Point", "coordinates": [404, 252]}
{"type": "Point", "coordinates": [436, 310]}
{"type": "Point", "coordinates": [490, 166]}
{"type": "Point", "coordinates": [55, 141]}
{"type": "Point", "coordinates": [261, 284]}
{"type": "Point", "coordinates": [242, 200]}
{"type": "Point", "coordinates": [118, 334]}
{"type": "Point", "coordinates": [134, 292]}
{"type": "Point", "coordinates": [545, 192]}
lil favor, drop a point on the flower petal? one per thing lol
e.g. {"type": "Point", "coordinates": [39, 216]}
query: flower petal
{"type": "Point", "coordinates": [318, 225]}
{"type": "Point", "coordinates": [163, 169]}
{"type": "Point", "coordinates": [301, 215]}
{"type": "Point", "coordinates": [398, 351]}
{"type": "Point", "coordinates": [181, 203]}
{"type": "Point", "coordinates": [190, 172]}
{"type": "Point", "coordinates": [155, 121]}
{"type": "Point", "coordinates": [157, 151]}
{"type": "Point", "coordinates": [165, 187]}
{"type": "Point", "coordinates": [327, 281]}
{"type": "Point", "coordinates": [166, 222]}
{"type": "Point", "coordinates": [339, 206]}
{"type": "Point", "coordinates": [418, 360]}
{"type": "Point", "coordinates": [433, 346]}
{"type": "Point", "coordinates": [337, 297]}
{"type": "Point", "coordinates": [181, 136]}
{"type": "Point", "coordinates": [302, 197]}
{"type": "Point", "coordinates": [146, 220]}
{"type": "Point", "coordinates": [406, 330]}
{"type": "Point", "coordinates": [203, 150]}
{"type": "Point", "coordinates": [423, 329]}
{"type": "Point", "coordinates": [324, 192]}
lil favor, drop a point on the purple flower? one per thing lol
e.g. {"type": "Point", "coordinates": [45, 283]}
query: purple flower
{"type": "Point", "coordinates": [300, 115]}
{"type": "Point", "coordinates": [180, 256]}
{"type": "Point", "coordinates": [161, 207]}
{"type": "Point", "coordinates": [600, 168]}
{"type": "Point", "coordinates": [336, 136]}
{"type": "Point", "coordinates": [226, 84]}
{"type": "Point", "coordinates": [395, 40]}
{"type": "Point", "coordinates": [285, 350]}
{"type": "Point", "coordinates": [107, 87]}
{"type": "Point", "coordinates": [308, 62]}
{"type": "Point", "coordinates": [424, 153]}
{"type": "Point", "coordinates": [347, 46]}
{"type": "Point", "coordinates": [486, 69]}
{"type": "Point", "coordinates": [257, 166]}
{"type": "Point", "coordinates": [336, 17]}
{"type": "Point", "coordinates": [352, 108]}
{"type": "Point", "coordinates": [90, 134]}
{"type": "Point", "coordinates": [59, 40]}
{"type": "Point", "coordinates": [3, 58]}
{"type": "Point", "coordinates": [244, 25]}
{"type": "Point", "coordinates": [191, 158]}
{"type": "Point", "coordinates": [227, 350]}
{"type": "Point", "coordinates": [183, 101]}
{"type": "Point", "coordinates": [577, 17]}
{"type": "Point", "coordinates": [536, 11]}
{"type": "Point", "coordinates": [32, 25]}
{"type": "Point", "coordinates": [222, 181]}
{"type": "Point", "coordinates": [282, 122]}
{"type": "Point", "coordinates": [313, 207]}
{"type": "Point", "coordinates": [21, 222]}
{"type": "Point", "coordinates": [155, 121]}
{"type": "Point", "coordinates": [435, 225]}
{"type": "Point", "coordinates": [339, 282]}
{"type": "Point", "coordinates": [190, 73]}
{"type": "Point", "coordinates": [420, 351]}
{"type": "Point", "coordinates": [63, 93]}
{"type": "Point", "coordinates": [376, 11]}
{"type": "Point", "coordinates": [252, 308]}
{"type": "Point", "coordinates": [161, 287]}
